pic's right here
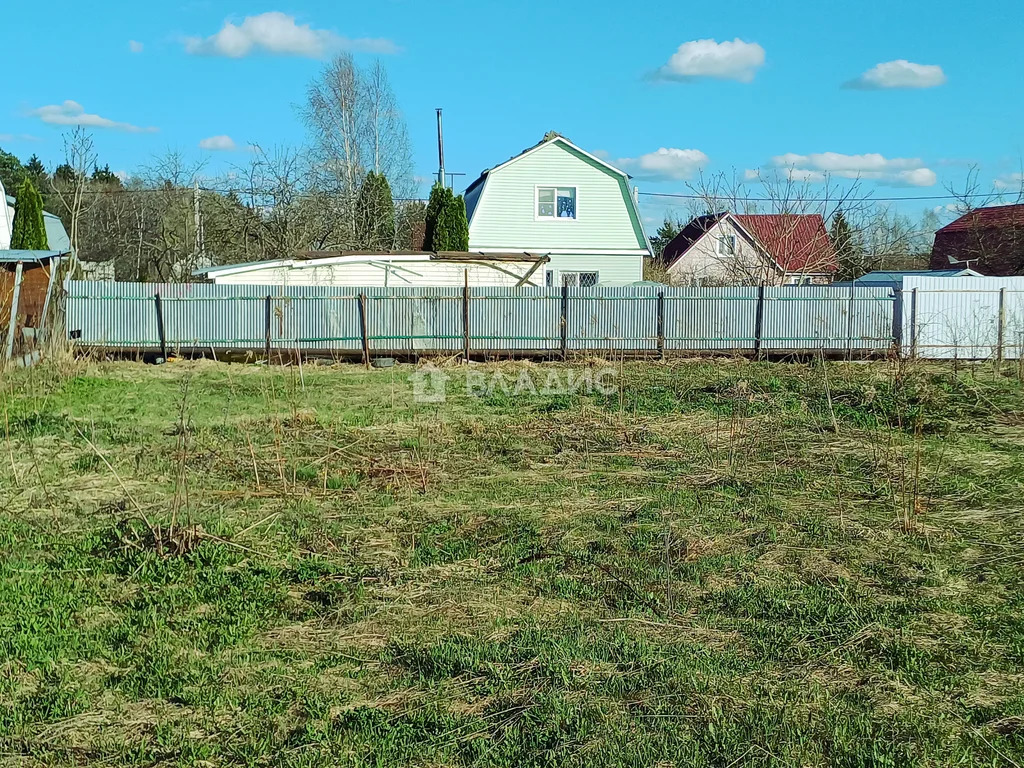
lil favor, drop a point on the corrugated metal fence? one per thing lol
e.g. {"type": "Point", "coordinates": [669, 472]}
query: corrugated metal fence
{"type": "Point", "coordinates": [481, 320]}
{"type": "Point", "coordinates": [969, 318]}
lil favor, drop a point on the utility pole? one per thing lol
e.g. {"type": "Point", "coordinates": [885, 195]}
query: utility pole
{"type": "Point", "coordinates": [199, 251]}
{"type": "Point", "coordinates": [440, 151]}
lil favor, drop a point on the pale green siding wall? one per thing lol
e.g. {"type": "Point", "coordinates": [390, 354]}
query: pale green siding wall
{"type": "Point", "coordinates": [611, 269]}
{"type": "Point", "coordinates": [505, 215]}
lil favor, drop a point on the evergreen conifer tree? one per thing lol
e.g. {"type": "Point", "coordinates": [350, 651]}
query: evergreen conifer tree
{"type": "Point", "coordinates": [28, 231]}
{"type": "Point", "coordinates": [375, 213]}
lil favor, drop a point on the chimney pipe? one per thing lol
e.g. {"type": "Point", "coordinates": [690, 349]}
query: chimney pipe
{"type": "Point", "coordinates": [440, 151]}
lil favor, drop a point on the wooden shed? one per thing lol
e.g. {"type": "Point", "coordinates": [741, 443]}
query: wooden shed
{"type": "Point", "coordinates": [26, 289]}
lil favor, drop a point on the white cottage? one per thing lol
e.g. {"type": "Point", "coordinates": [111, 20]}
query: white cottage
{"type": "Point", "coordinates": [559, 201]}
{"type": "Point", "coordinates": [752, 249]}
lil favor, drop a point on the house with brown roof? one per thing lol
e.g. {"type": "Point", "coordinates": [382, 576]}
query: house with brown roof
{"type": "Point", "coordinates": [989, 240]}
{"type": "Point", "coordinates": [752, 249]}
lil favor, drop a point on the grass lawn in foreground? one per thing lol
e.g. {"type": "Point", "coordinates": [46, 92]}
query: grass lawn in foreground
{"type": "Point", "coordinates": [722, 564]}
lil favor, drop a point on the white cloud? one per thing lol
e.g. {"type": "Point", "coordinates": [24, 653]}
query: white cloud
{"type": "Point", "coordinates": [666, 163]}
{"type": "Point", "coordinates": [122, 175]}
{"type": "Point", "coordinates": [728, 60]}
{"type": "Point", "coordinates": [220, 143]}
{"type": "Point", "coordinates": [277, 33]}
{"type": "Point", "coordinates": [893, 172]}
{"type": "Point", "coordinates": [1009, 181]}
{"type": "Point", "coordinates": [18, 137]}
{"type": "Point", "coordinates": [135, 46]}
{"type": "Point", "coordinates": [899, 74]}
{"type": "Point", "coordinates": [73, 113]}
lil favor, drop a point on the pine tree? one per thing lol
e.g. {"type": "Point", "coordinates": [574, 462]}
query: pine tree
{"type": "Point", "coordinates": [28, 231]}
{"type": "Point", "coordinates": [106, 177]}
{"type": "Point", "coordinates": [847, 254]}
{"type": "Point", "coordinates": [666, 234]}
{"type": "Point", "coordinates": [12, 172]}
{"type": "Point", "coordinates": [375, 213]}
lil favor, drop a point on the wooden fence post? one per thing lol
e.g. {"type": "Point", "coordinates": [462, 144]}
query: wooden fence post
{"type": "Point", "coordinates": [12, 325]}
{"type": "Point", "coordinates": [363, 329]}
{"type": "Point", "coordinates": [1001, 331]}
{"type": "Point", "coordinates": [161, 332]}
{"type": "Point", "coordinates": [759, 321]}
{"type": "Point", "coordinates": [465, 318]}
{"type": "Point", "coordinates": [565, 321]}
{"type": "Point", "coordinates": [661, 324]}
{"type": "Point", "coordinates": [267, 327]}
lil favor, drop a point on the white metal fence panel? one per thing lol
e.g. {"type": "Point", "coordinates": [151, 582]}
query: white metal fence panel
{"type": "Point", "coordinates": [525, 319]}
{"type": "Point", "coordinates": [612, 319]}
{"type": "Point", "coordinates": [710, 318]}
{"type": "Point", "coordinates": [827, 318]}
{"type": "Point", "coordinates": [964, 317]}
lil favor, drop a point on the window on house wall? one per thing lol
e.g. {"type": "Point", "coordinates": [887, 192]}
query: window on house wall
{"type": "Point", "coordinates": [727, 245]}
{"type": "Point", "coordinates": [799, 280]}
{"type": "Point", "coordinates": [549, 278]}
{"type": "Point", "coordinates": [556, 202]}
{"type": "Point", "coordinates": [579, 279]}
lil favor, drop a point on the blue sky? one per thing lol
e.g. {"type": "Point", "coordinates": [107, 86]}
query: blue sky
{"type": "Point", "coordinates": [663, 88]}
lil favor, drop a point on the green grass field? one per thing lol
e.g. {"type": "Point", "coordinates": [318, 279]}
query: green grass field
{"type": "Point", "coordinates": [723, 564]}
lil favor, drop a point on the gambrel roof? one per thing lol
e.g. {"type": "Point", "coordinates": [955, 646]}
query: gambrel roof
{"type": "Point", "coordinates": [475, 190]}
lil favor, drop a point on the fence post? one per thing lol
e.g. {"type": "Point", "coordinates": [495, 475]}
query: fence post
{"type": "Point", "coordinates": [161, 333]}
{"type": "Point", "coordinates": [12, 324]}
{"type": "Point", "coordinates": [913, 322]}
{"type": "Point", "coordinates": [1001, 332]}
{"type": "Point", "coordinates": [898, 311]}
{"type": "Point", "coordinates": [465, 318]}
{"type": "Point", "coordinates": [759, 320]}
{"type": "Point", "coordinates": [266, 326]}
{"type": "Point", "coordinates": [565, 321]}
{"type": "Point", "coordinates": [661, 324]}
{"type": "Point", "coordinates": [363, 329]}
{"type": "Point", "coordinates": [849, 325]}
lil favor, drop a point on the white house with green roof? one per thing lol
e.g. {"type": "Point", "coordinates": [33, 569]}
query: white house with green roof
{"type": "Point", "coordinates": [557, 200]}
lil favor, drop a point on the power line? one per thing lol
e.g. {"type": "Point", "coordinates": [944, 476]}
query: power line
{"type": "Point", "coordinates": [729, 198]}
{"type": "Point", "coordinates": [836, 199]}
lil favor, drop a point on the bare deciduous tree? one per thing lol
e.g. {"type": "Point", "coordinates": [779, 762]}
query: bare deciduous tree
{"type": "Point", "coordinates": [354, 127]}
{"type": "Point", "coordinates": [71, 187]}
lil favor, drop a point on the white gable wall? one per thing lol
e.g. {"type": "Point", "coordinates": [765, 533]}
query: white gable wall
{"type": "Point", "coordinates": [599, 239]}
{"type": "Point", "coordinates": [703, 263]}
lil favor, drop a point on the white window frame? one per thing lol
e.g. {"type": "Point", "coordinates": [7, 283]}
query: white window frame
{"type": "Point", "coordinates": [536, 202]}
{"type": "Point", "coordinates": [576, 277]}
{"type": "Point", "coordinates": [720, 242]}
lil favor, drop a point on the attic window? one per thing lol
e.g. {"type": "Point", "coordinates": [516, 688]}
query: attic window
{"type": "Point", "coordinates": [727, 245]}
{"type": "Point", "coordinates": [556, 202]}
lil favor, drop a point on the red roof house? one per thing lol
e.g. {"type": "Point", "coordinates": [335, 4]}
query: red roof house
{"type": "Point", "coordinates": [989, 240]}
{"type": "Point", "coordinates": [776, 249]}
